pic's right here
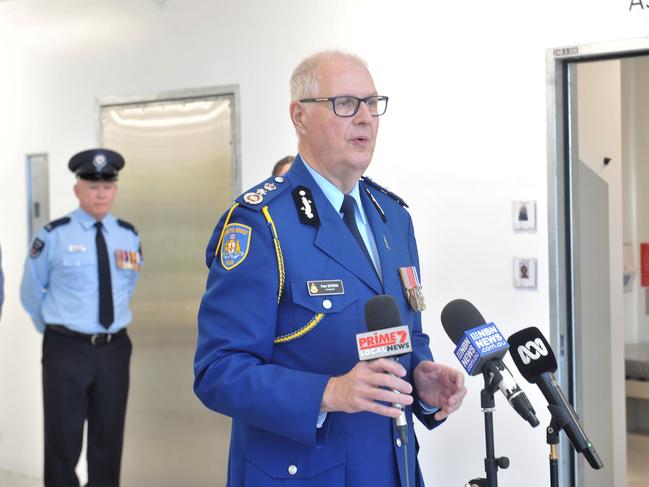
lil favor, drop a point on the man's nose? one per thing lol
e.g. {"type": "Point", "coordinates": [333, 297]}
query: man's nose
{"type": "Point", "coordinates": [363, 115]}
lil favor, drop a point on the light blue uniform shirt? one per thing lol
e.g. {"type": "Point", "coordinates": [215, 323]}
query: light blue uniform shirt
{"type": "Point", "coordinates": [60, 284]}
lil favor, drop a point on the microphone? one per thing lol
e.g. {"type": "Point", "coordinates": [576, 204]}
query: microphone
{"type": "Point", "coordinates": [480, 349]}
{"type": "Point", "coordinates": [535, 360]}
{"type": "Point", "coordinates": [386, 337]}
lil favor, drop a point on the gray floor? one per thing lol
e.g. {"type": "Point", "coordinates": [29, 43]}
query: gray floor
{"type": "Point", "coordinates": [638, 466]}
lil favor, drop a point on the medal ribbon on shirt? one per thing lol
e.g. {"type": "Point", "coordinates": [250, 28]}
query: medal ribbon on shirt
{"type": "Point", "coordinates": [412, 288]}
{"type": "Point", "coordinates": [128, 259]}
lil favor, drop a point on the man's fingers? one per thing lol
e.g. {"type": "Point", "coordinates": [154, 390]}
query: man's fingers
{"type": "Point", "coordinates": [389, 381]}
{"type": "Point", "coordinates": [386, 365]}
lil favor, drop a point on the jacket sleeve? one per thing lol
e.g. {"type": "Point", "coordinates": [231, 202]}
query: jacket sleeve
{"type": "Point", "coordinates": [36, 279]}
{"type": "Point", "coordinates": [234, 370]}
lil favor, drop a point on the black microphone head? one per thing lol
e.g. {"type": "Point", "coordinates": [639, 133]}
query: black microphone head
{"type": "Point", "coordinates": [459, 316]}
{"type": "Point", "coordinates": [382, 312]}
{"type": "Point", "coordinates": [532, 353]}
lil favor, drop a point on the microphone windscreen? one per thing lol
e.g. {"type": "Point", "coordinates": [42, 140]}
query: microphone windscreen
{"type": "Point", "coordinates": [532, 353]}
{"type": "Point", "coordinates": [459, 316]}
{"type": "Point", "coordinates": [382, 312]}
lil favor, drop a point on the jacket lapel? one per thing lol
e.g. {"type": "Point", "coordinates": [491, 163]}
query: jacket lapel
{"type": "Point", "coordinates": [332, 236]}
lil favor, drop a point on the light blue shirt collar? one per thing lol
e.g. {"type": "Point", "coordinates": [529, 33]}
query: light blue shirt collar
{"type": "Point", "coordinates": [334, 195]}
{"type": "Point", "coordinates": [88, 221]}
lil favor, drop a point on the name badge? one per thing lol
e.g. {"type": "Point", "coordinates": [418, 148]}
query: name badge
{"type": "Point", "coordinates": [325, 288]}
{"type": "Point", "coordinates": [77, 248]}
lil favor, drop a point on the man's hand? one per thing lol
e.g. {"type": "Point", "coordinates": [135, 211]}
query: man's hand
{"type": "Point", "coordinates": [361, 388]}
{"type": "Point", "coordinates": [439, 386]}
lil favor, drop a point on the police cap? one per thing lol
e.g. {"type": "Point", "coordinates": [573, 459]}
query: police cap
{"type": "Point", "coordinates": [96, 164]}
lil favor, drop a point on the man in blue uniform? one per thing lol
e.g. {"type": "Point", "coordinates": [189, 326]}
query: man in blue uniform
{"type": "Point", "coordinates": [77, 285]}
{"type": "Point", "coordinates": [292, 265]}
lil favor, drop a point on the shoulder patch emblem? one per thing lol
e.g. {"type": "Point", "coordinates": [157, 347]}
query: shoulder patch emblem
{"type": "Point", "coordinates": [235, 245]}
{"type": "Point", "coordinates": [37, 248]}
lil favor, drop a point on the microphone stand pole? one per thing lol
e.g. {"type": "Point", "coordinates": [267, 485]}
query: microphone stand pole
{"type": "Point", "coordinates": [559, 419]}
{"type": "Point", "coordinates": [488, 405]}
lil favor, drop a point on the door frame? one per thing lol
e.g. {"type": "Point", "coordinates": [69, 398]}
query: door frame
{"type": "Point", "coordinates": [231, 91]}
{"type": "Point", "coordinates": [560, 214]}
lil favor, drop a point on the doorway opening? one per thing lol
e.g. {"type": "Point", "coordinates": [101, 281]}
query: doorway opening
{"type": "Point", "coordinates": [597, 115]}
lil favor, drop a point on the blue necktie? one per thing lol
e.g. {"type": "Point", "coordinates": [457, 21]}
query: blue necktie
{"type": "Point", "coordinates": [349, 217]}
{"type": "Point", "coordinates": [105, 287]}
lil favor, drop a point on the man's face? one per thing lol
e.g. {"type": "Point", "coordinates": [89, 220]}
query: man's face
{"type": "Point", "coordinates": [95, 197]}
{"type": "Point", "coordinates": [340, 148]}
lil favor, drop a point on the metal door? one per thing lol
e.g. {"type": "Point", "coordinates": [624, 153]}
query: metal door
{"type": "Point", "coordinates": [180, 175]}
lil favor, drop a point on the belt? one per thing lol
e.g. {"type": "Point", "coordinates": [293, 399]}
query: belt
{"type": "Point", "coordinates": [96, 339]}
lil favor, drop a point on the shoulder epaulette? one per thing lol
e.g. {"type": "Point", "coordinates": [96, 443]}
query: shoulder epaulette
{"type": "Point", "coordinates": [57, 223]}
{"type": "Point", "coordinates": [385, 191]}
{"type": "Point", "coordinates": [127, 225]}
{"type": "Point", "coordinates": [260, 195]}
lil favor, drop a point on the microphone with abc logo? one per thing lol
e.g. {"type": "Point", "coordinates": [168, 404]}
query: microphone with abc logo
{"type": "Point", "coordinates": [535, 360]}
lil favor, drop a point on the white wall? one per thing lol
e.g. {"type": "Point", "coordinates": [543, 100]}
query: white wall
{"type": "Point", "coordinates": [465, 135]}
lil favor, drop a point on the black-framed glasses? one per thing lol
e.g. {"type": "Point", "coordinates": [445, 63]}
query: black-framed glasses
{"type": "Point", "coordinates": [347, 105]}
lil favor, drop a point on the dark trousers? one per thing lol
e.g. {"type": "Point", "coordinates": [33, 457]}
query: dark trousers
{"type": "Point", "coordinates": [82, 381]}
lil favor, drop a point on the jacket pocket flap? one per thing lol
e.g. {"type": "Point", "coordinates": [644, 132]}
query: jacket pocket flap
{"type": "Point", "coordinates": [281, 458]}
{"type": "Point", "coordinates": [321, 303]}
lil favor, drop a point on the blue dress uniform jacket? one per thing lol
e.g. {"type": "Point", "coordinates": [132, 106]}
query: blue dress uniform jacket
{"type": "Point", "coordinates": [60, 281]}
{"type": "Point", "coordinates": [267, 346]}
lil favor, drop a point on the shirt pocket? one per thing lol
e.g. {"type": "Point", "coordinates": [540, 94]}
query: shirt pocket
{"type": "Point", "coordinates": [80, 271]}
{"type": "Point", "coordinates": [309, 312]}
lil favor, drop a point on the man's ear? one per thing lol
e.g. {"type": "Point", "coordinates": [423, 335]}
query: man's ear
{"type": "Point", "coordinates": [298, 116]}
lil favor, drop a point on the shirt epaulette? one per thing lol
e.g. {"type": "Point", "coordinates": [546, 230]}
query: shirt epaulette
{"type": "Point", "coordinates": [260, 195]}
{"type": "Point", "coordinates": [127, 225]}
{"type": "Point", "coordinates": [385, 191]}
{"type": "Point", "coordinates": [57, 223]}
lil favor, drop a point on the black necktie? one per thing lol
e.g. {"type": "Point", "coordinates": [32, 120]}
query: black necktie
{"type": "Point", "coordinates": [105, 288]}
{"type": "Point", "coordinates": [349, 218]}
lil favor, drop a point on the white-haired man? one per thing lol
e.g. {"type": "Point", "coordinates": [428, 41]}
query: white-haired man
{"type": "Point", "coordinates": [292, 265]}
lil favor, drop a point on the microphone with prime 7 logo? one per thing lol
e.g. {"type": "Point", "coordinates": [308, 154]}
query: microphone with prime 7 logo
{"type": "Point", "coordinates": [480, 348]}
{"type": "Point", "coordinates": [535, 360]}
{"type": "Point", "coordinates": [386, 337]}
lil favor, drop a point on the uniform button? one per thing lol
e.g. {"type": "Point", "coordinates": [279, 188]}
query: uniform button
{"type": "Point", "coordinates": [292, 469]}
{"type": "Point", "coordinates": [326, 304]}
{"type": "Point", "coordinates": [398, 442]}
{"type": "Point", "coordinates": [279, 179]}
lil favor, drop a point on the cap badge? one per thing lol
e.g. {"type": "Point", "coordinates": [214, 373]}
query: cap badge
{"type": "Point", "coordinates": [99, 161]}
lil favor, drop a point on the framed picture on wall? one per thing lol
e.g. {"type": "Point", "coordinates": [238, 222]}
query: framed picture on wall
{"type": "Point", "coordinates": [524, 273]}
{"type": "Point", "coordinates": [524, 216]}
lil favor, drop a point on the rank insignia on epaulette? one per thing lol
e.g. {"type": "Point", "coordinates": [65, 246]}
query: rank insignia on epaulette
{"type": "Point", "coordinates": [37, 248]}
{"type": "Point", "coordinates": [253, 198]}
{"type": "Point", "coordinates": [235, 245]}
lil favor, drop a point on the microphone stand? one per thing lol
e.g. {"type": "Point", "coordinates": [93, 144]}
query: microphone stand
{"type": "Point", "coordinates": [488, 405]}
{"type": "Point", "coordinates": [560, 418]}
